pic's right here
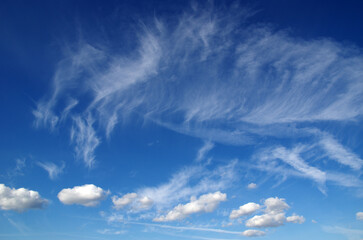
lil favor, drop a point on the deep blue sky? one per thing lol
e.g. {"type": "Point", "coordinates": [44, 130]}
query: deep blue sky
{"type": "Point", "coordinates": [181, 120]}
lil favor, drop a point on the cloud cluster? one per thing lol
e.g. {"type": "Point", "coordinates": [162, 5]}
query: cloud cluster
{"type": "Point", "coordinates": [274, 214]}
{"type": "Point", "coordinates": [20, 199]}
{"type": "Point", "coordinates": [87, 195]}
{"type": "Point", "coordinates": [205, 203]}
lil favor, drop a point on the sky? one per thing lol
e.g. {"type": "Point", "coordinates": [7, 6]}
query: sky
{"type": "Point", "coordinates": [211, 120]}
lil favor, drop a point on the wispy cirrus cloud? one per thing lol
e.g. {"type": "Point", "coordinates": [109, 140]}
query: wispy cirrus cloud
{"type": "Point", "coordinates": [311, 160]}
{"type": "Point", "coordinates": [272, 83]}
{"type": "Point", "coordinates": [207, 146]}
{"type": "Point", "coordinates": [53, 170]}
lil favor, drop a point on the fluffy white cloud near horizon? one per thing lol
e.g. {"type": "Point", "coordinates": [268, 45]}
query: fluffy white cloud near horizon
{"type": "Point", "coordinates": [20, 199]}
{"type": "Point", "coordinates": [87, 195]}
{"type": "Point", "coordinates": [205, 203]}
{"type": "Point", "coordinates": [275, 210]}
{"type": "Point", "coordinates": [244, 210]}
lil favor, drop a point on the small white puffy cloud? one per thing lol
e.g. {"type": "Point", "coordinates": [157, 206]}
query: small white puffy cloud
{"type": "Point", "coordinates": [252, 186]}
{"type": "Point", "coordinates": [266, 220]}
{"type": "Point", "coordinates": [20, 199]}
{"type": "Point", "coordinates": [205, 203]}
{"type": "Point", "coordinates": [295, 219]}
{"type": "Point", "coordinates": [275, 205]}
{"type": "Point", "coordinates": [87, 195]}
{"type": "Point", "coordinates": [246, 209]}
{"type": "Point", "coordinates": [253, 233]}
{"type": "Point", "coordinates": [359, 216]}
{"type": "Point", "coordinates": [120, 202]}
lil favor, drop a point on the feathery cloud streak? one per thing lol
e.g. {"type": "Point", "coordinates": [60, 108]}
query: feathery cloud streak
{"type": "Point", "coordinates": [210, 75]}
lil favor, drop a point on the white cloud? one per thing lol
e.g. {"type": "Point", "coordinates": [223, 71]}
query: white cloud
{"type": "Point", "coordinates": [252, 186]}
{"type": "Point", "coordinates": [85, 138]}
{"type": "Point", "coordinates": [339, 153]}
{"type": "Point", "coordinates": [359, 216]}
{"type": "Point", "coordinates": [295, 219]}
{"type": "Point", "coordinates": [120, 202]}
{"type": "Point", "coordinates": [275, 205]}
{"type": "Point", "coordinates": [266, 220]}
{"type": "Point", "coordinates": [145, 202]}
{"type": "Point", "coordinates": [204, 150]}
{"type": "Point", "coordinates": [274, 215]}
{"type": "Point", "coordinates": [52, 169]}
{"type": "Point", "coordinates": [205, 203]}
{"type": "Point", "coordinates": [253, 233]}
{"type": "Point", "coordinates": [297, 162]}
{"type": "Point", "coordinates": [174, 72]}
{"type": "Point", "coordinates": [87, 195]}
{"type": "Point", "coordinates": [190, 181]}
{"type": "Point", "coordinates": [243, 210]}
{"type": "Point", "coordinates": [20, 199]}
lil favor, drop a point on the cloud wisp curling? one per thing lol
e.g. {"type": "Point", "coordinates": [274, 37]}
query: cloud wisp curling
{"type": "Point", "coordinates": [209, 75]}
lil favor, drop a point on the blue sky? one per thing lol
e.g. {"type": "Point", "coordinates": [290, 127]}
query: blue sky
{"type": "Point", "coordinates": [181, 120]}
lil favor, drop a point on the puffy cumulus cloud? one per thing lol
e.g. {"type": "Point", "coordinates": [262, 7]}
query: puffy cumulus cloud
{"type": "Point", "coordinates": [252, 186]}
{"type": "Point", "coordinates": [295, 219]}
{"type": "Point", "coordinates": [20, 199]}
{"type": "Point", "coordinates": [87, 195]}
{"type": "Point", "coordinates": [135, 201]}
{"type": "Point", "coordinates": [274, 215]}
{"type": "Point", "coordinates": [359, 216]}
{"type": "Point", "coordinates": [275, 205]}
{"type": "Point", "coordinates": [266, 220]}
{"type": "Point", "coordinates": [205, 203]}
{"type": "Point", "coordinates": [243, 210]}
{"type": "Point", "coordinates": [253, 233]}
{"type": "Point", "coordinates": [120, 202]}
